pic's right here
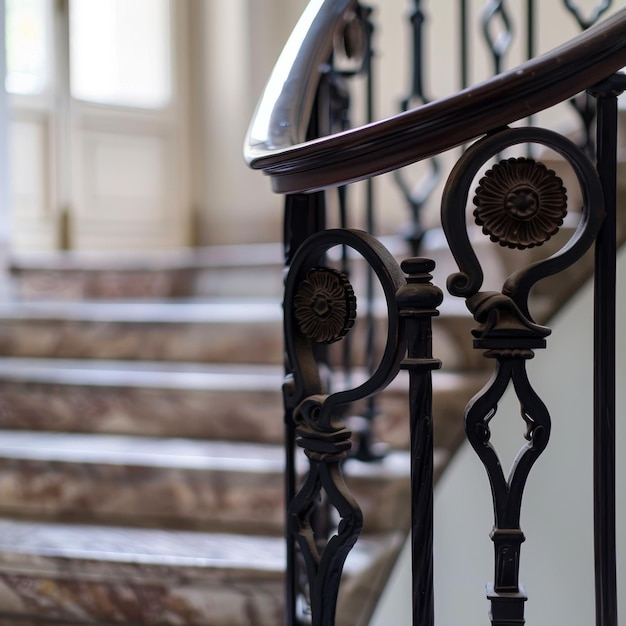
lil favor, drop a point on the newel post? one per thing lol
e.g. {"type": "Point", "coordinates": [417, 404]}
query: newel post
{"type": "Point", "coordinates": [417, 303]}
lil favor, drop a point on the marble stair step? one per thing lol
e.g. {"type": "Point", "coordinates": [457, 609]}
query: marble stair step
{"type": "Point", "coordinates": [63, 574]}
{"type": "Point", "coordinates": [231, 270]}
{"type": "Point", "coordinates": [176, 483]}
{"type": "Point", "coordinates": [214, 271]}
{"type": "Point", "coordinates": [221, 402]}
{"type": "Point", "coordinates": [230, 402]}
{"type": "Point", "coordinates": [224, 330]}
{"type": "Point", "coordinates": [244, 331]}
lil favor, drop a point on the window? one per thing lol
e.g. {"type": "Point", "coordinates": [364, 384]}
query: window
{"type": "Point", "coordinates": [120, 52]}
{"type": "Point", "coordinates": [27, 34]}
{"type": "Point", "coordinates": [98, 138]}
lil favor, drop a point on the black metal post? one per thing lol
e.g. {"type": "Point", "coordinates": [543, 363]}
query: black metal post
{"type": "Point", "coordinates": [305, 214]}
{"type": "Point", "coordinates": [604, 358]}
{"type": "Point", "coordinates": [417, 303]}
{"type": "Point", "coordinates": [463, 36]}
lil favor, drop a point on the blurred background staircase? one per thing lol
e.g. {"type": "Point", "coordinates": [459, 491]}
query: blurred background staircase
{"type": "Point", "coordinates": [141, 465]}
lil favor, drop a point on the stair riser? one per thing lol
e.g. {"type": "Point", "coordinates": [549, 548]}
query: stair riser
{"type": "Point", "coordinates": [252, 342]}
{"type": "Point", "coordinates": [166, 497]}
{"type": "Point", "coordinates": [161, 497]}
{"type": "Point", "coordinates": [220, 415]}
{"type": "Point", "coordinates": [75, 285]}
{"type": "Point", "coordinates": [127, 595]}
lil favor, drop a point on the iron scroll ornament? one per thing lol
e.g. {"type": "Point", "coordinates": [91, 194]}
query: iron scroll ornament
{"type": "Point", "coordinates": [319, 428]}
{"type": "Point", "coordinates": [509, 334]}
{"type": "Point", "coordinates": [468, 281]}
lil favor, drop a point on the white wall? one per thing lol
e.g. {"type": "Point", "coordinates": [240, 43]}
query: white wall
{"type": "Point", "coordinates": [557, 558]}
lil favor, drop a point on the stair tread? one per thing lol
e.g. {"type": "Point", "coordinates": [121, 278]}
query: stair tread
{"type": "Point", "coordinates": [149, 546]}
{"type": "Point", "coordinates": [142, 546]}
{"type": "Point", "coordinates": [221, 376]}
{"type": "Point", "coordinates": [191, 310]}
{"type": "Point", "coordinates": [244, 255]}
{"type": "Point", "coordinates": [255, 310]}
{"type": "Point", "coordinates": [169, 375]}
{"type": "Point", "coordinates": [173, 453]}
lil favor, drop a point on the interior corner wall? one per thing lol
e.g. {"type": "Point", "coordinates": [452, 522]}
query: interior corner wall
{"type": "Point", "coordinates": [237, 44]}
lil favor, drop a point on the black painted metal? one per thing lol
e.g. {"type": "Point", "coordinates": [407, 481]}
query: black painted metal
{"type": "Point", "coordinates": [583, 104]}
{"type": "Point", "coordinates": [418, 302]}
{"type": "Point", "coordinates": [310, 518]}
{"type": "Point", "coordinates": [604, 358]}
{"type": "Point", "coordinates": [464, 39]}
{"type": "Point", "coordinates": [365, 449]}
{"type": "Point", "coordinates": [497, 30]}
{"type": "Point", "coordinates": [508, 334]}
{"type": "Point", "coordinates": [315, 415]}
{"type": "Point", "coordinates": [305, 214]}
{"type": "Point", "coordinates": [417, 194]}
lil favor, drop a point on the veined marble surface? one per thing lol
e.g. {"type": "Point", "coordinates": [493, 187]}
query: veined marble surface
{"type": "Point", "coordinates": [73, 574]}
{"type": "Point", "coordinates": [213, 485]}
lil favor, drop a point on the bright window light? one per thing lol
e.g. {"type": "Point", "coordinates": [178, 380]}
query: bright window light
{"type": "Point", "coordinates": [26, 45]}
{"type": "Point", "coordinates": [120, 52]}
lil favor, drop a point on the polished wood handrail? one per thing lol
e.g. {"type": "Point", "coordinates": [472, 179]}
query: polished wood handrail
{"type": "Point", "coordinates": [275, 142]}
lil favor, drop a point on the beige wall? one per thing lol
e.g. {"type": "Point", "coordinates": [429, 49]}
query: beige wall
{"type": "Point", "coordinates": [236, 44]}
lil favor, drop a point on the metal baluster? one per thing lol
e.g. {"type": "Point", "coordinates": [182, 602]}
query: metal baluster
{"type": "Point", "coordinates": [418, 303]}
{"type": "Point", "coordinates": [304, 215]}
{"type": "Point", "coordinates": [499, 44]}
{"type": "Point", "coordinates": [463, 37]}
{"type": "Point", "coordinates": [530, 52]}
{"type": "Point", "coordinates": [582, 104]}
{"type": "Point", "coordinates": [320, 307]}
{"type": "Point", "coordinates": [417, 194]}
{"type": "Point", "coordinates": [604, 358]}
{"type": "Point", "coordinates": [367, 449]}
{"type": "Point", "coordinates": [519, 204]}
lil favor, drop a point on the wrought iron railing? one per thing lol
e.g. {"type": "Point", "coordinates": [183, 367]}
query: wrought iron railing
{"type": "Point", "coordinates": [300, 137]}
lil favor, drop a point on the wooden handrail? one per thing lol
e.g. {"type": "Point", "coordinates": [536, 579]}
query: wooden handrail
{"type": "Point", "coordinates": [275, 140]}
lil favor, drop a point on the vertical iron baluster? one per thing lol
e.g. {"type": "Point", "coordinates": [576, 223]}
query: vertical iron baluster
{"type": "Point", "coordinates": [366, 450]}
{"type": "Point", "coordinates": [417, 195]}
{"type": "Point", "coordinates": [604, 357]}
{"type": "Point", "coordinates": [509, 193]}
{"type": "Point", "coordinates": [530, 51]}
{"type": "Point", "coordinates": [418, 302]}
{"type": "Point", "coordinates": [305, 214]}
{"type": "Point", "coordinates": [500, 44]}
{"type": "Point", "coordinates": [582, 104]}
{"type": "Point", "coordinates": [320, 307]}
{"type": "Point", "coordinates": [463, 37]}
{"type": "Point", "coordinates": [530, 29]}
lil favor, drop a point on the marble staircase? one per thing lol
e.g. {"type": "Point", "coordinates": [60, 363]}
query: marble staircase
{"type": "Point", "coordinates": [141, 435]}
{"type": "Point", "coordinates": [141, 453]}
